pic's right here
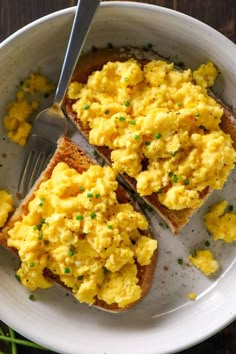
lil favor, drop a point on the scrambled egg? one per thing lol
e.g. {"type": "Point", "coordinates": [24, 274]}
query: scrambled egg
{"type": "Point", "coordinates": [20, 110]}
{"type": "Point", "coordinates": [192, 296]}
{"type": "Point", "coordinates": [221, 225]}
{"type": "Point", "coordinates": [6, 206]}
{"type": "Point", "coordinates": [78, 230]}
{"type": "Point", "coordinates": [158, 115]}
{"type": "Point", "coordinates": [204, 261]}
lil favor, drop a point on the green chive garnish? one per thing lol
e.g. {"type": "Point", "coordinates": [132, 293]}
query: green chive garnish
{"type": "Point", "coordinates": [197, 115]}
{"type": "Point", "coordinates": [71, 252]}
{"type": "Point", "coordinates": [180, 261]}
{"type": "Point", "coordinates": [31, 264]}
{"type": "Point", "coordinates": [132, 122]}
{"type": "Point", "coordinates": [207, 243]}
{"type": "Point", "coordinates": [127, 103]}
{"type": "Point", "coordinates": [147, 143]}
{"type": "Point", "coordinates": [107, 111]}
{"type": "Point", "coordinates": [202, 127]}
{"type": "Point", "coordinates": [81, 189]}
{"type": "Point", "coordinates": [170, 174]}
{"type": "Point", "coordinates": [87, 106]}
{"type": "Point", "coordinates": [174, 153]}
{"type": "Point", "coordinates": [105, 271]}
{"type": "Point", "coordinates": [80, 277]}
{"type": "Point", "coordinates": [31, 297]}
{"type": "Point", "coordinates": [98, 195]}
{"type": "Point", "coordinates": [175, 179]}
{"type": "Point", "coordinates": [67, 270]}
{"type": "Point", "coordinates": [90, 195]}
{"type": "Point", "coordinates": [79, 217]}
{"type": "Point", "coordinates": [136, 137]}
{"type": "Point", "coordinates": [158, 135]}
{"type": "Point", "coordinates": [179, 104]}
{"type": "Point", "coordinates": [186, 182]}
{"type": "Point", "coordinates": [122, 119]}
{"type": "Point", "coordinates": [231, 207]}
{"type": "Point", "coordinates": [110, 227]}
{"type": "Point", "coordinates": [93, 215]}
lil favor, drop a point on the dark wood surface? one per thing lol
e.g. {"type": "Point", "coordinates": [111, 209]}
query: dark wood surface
{"type": "Point", "coordinates": [220, 14]}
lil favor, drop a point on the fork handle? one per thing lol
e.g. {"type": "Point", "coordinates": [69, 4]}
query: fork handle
{"type": "Point", "coordinates": [85, 12]}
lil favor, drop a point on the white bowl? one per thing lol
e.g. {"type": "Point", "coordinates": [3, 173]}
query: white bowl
{"type": "Point", "coordinates": [166, 321]}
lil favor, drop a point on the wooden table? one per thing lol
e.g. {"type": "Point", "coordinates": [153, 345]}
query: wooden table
{"type": "Point", "coordinates": [220, 14]}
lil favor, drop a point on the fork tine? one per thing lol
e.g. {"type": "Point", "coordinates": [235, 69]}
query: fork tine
{"type": "Point", "coordinates": [37, 168]}
{"type": "Point", "coordinates": [26, 172]}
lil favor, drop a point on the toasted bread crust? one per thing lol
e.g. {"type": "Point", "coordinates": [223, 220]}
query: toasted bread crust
{"type": "Point", "coordinates": [175, 219]}
{"type": "Point", "coordinates": [76, 158]}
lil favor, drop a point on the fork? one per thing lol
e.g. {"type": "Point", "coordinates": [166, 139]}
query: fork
{"type": "Point", "coordinates": [51, 123]}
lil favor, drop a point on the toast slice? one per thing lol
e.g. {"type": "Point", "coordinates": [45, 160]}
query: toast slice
{"type": "Point", "coordinates": [74, 157]}
{"type": "Point", "coordinates": [87, 64]}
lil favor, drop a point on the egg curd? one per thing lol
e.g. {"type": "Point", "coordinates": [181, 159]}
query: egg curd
{"type": "Point", "coordinates": [204, 260]}
{"type": "Point", "coordinates": [221, 224]}
{"type": "Point", "coordinates": [20, 110]}
{"type": "Point", "coordinates": [161, 126]}
{"type": "Point", "coordinates": [6, 206]}
{"type": "Point", "coordinates": [78, 230]}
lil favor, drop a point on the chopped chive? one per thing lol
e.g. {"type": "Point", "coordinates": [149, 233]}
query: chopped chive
{"type": "Point", "coordinates": [231, 207]}
{"type": "Point", "coordinates": [87, 106]}
{"type": "Point", "coordinates": [194, 253]}
{"type": "Point", "coordinates": [122, 119]}
{"type": "Point", "coordinates": [158, 135]}
{"type": "Point", "coordinates": [174, 153]}
{"type": "Point", "coordinates": [175, 179]}
{"type": "Point", "coordinates": [17, 277]}
{"type": "Point", "coordinates": [98, 195]}
{"type": "Point", "coordinates": [202, 127]}
{"type": "Point", "coordinates": [126, 79]}
{"type": "Point", "coordinates": [35, 227]}
{"type": "Point", "coordinates": [105, 271]}
{"type": "Point", "coordinates": [46, 242]}
{"type": "Point", "coordinates": [186, 182]}
{"type": "Point", "coordinates": [32, 264]}
{"type": "Point", "coordinates": [81, 189]}
{"type": "Point", "coordinates": [180, 261]}
{"type": "Point", "coordinates": [136, 137]}
{"type": "Point", "coordinates": [147, 143]}
{"type": "Point", "coordinates": [67, 270]}
{"type": "Point", "coordinates": [132, 122]}
{"type": "Point", "coordinates": [71, 252]}
{"type": "Point", "coordinates": [159, 191]}
{"type": "Point", "coordinates": [110, 227]}
{"type": "Point", "coordinates": [170, 174]}
{"type": "Point", "coordinates": [90, 195]}
{"type": "Point", "coordinates": [80, 277]}
{"type": "Point", "coordinates": [107, 111]}
{"type": "Point", "coordinates": [41, 204]}
{"type": "Point", "coordinates": [207, 243]}
{"type": "Point", "coordinates": [127, 103]}
{"type": "Point", "coordinates": [79, 217]}
{"type": "Point", "coordinates": [179, 104]}
{"type": "Point", "coordinates": [93, 215]}
{"type": "Point", "coordinates": [197, 115]}
{"type": "Point", "coordinates": [40, 236]}
{"type": "Point", "coordinates": [31, 297]}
